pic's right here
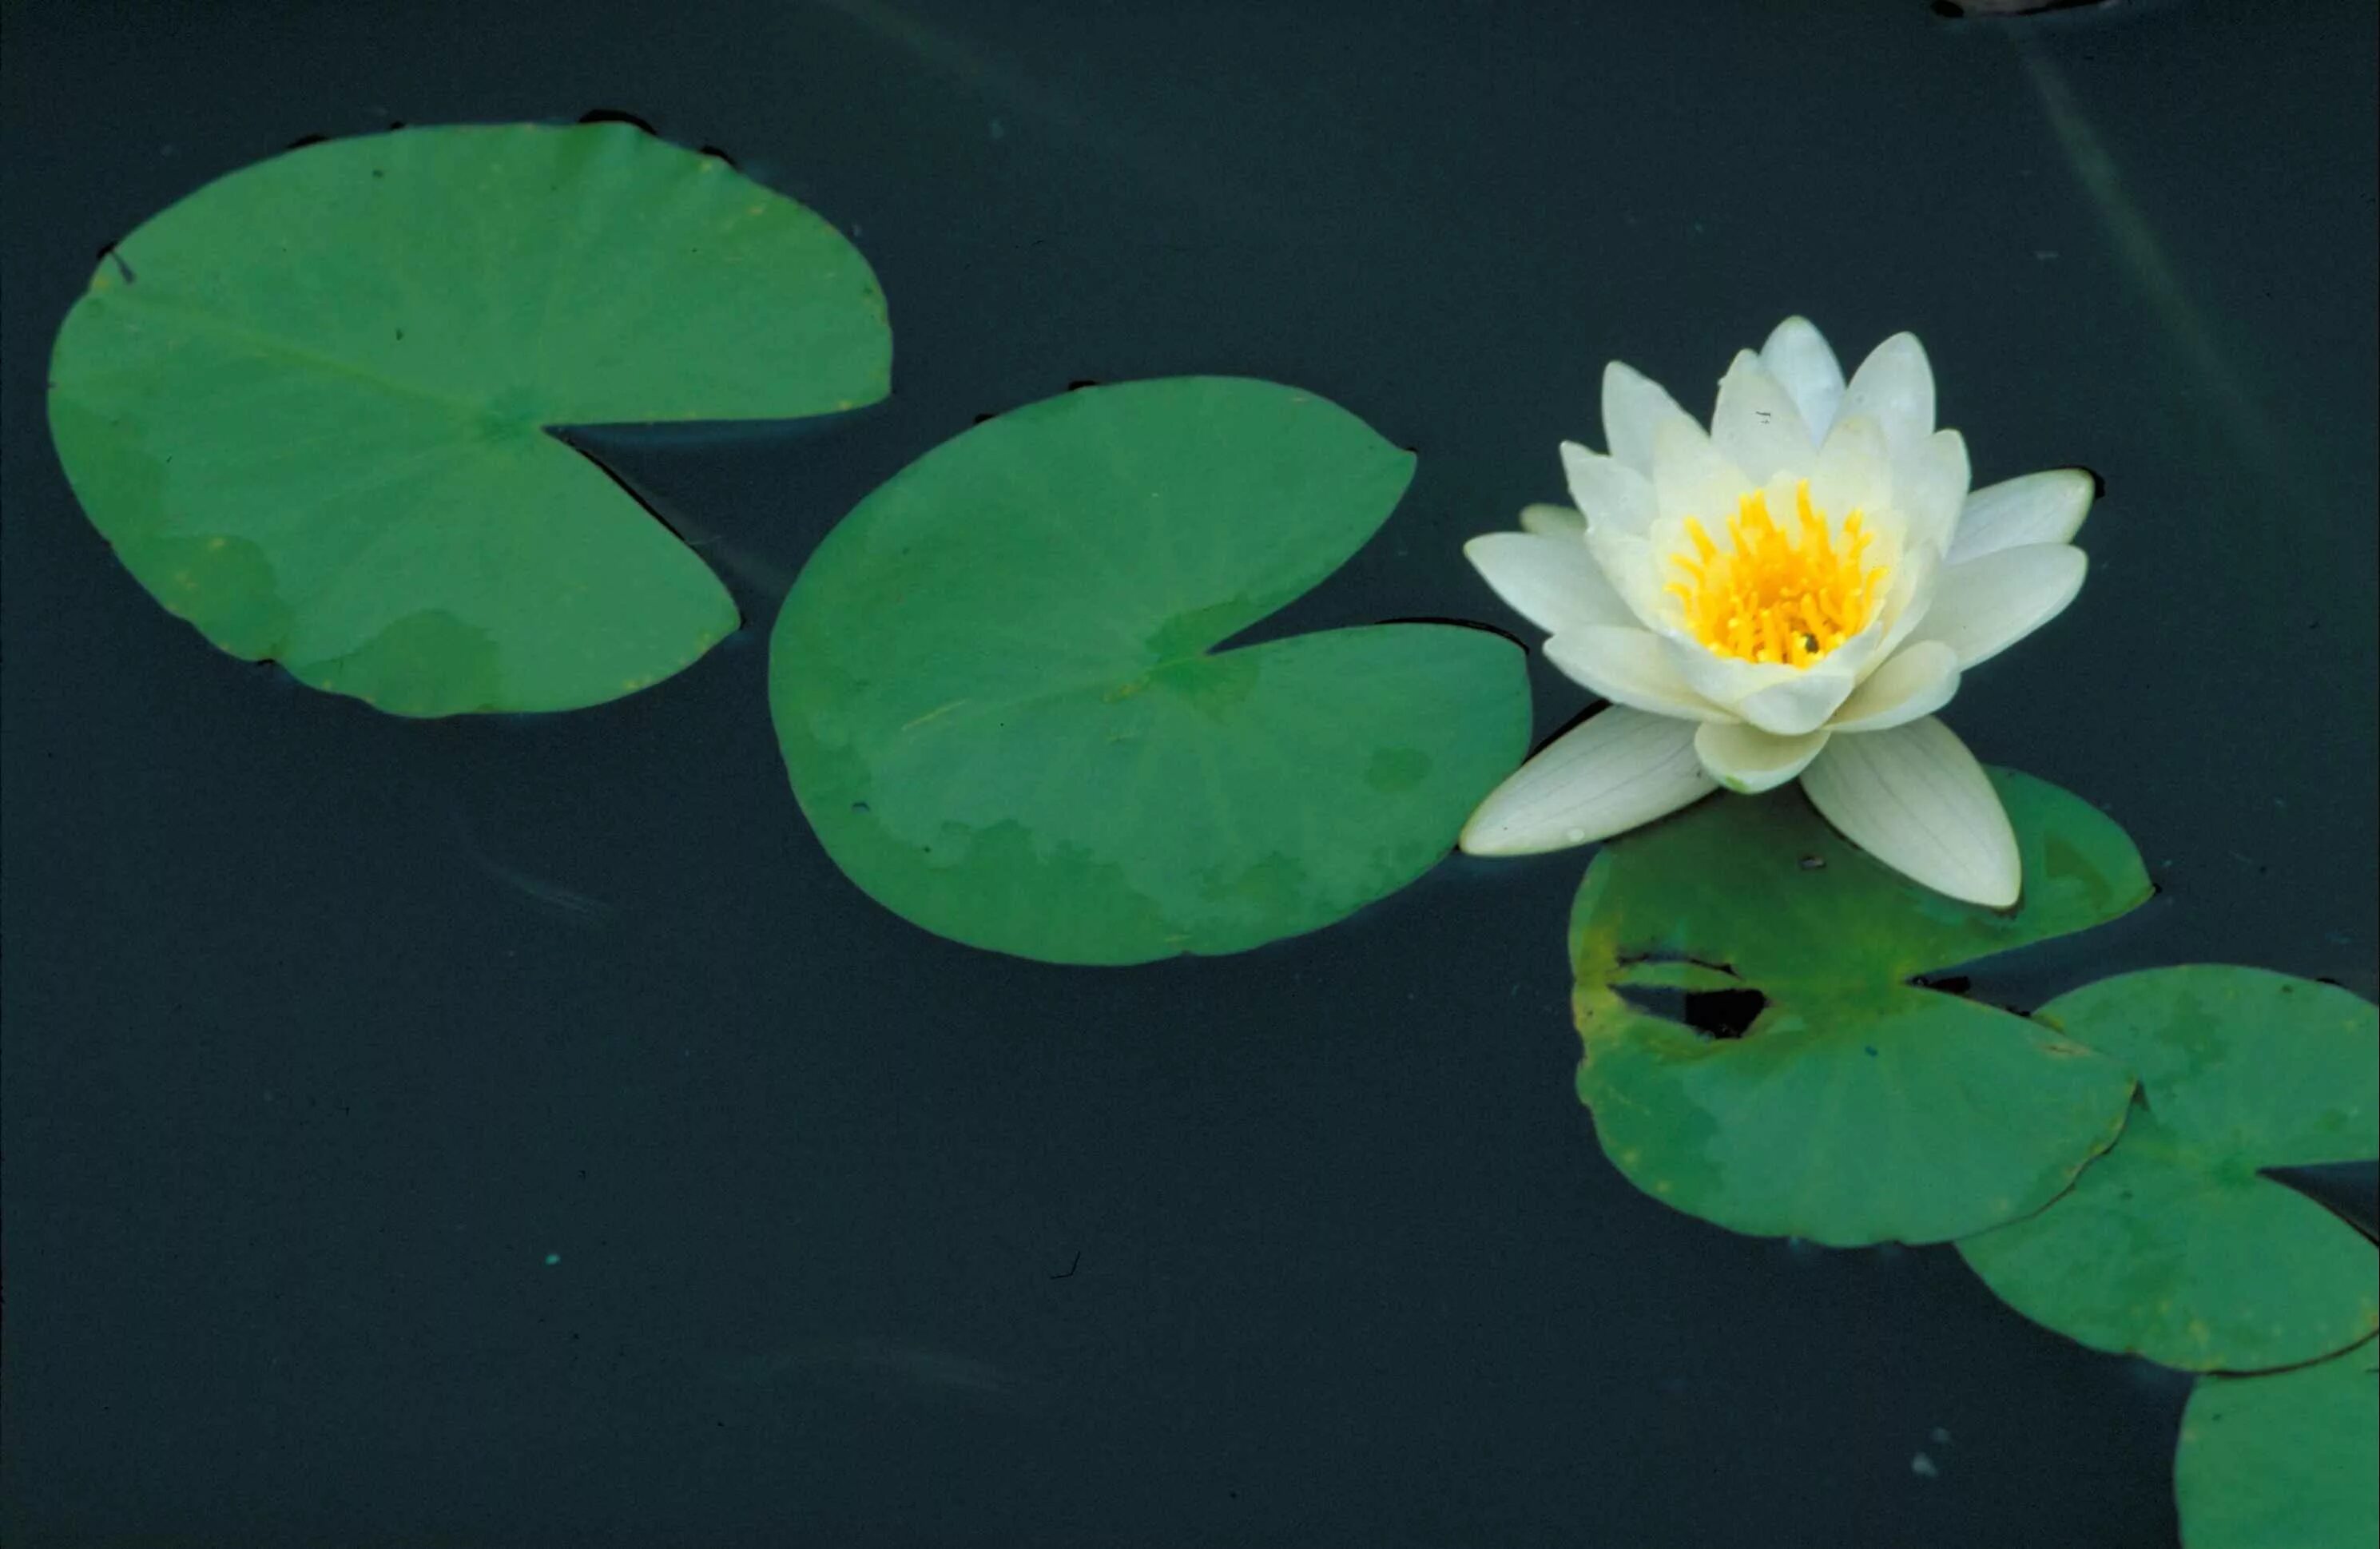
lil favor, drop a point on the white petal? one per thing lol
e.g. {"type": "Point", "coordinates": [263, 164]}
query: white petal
{"type": "Point", "coordinates": [1628, 563]}
{"type": "Point", "coordinates": [1692, 477]}
{"type": "Point", "coordinates": [1552, 582]}
{"type": "Point", "coordinates": [1917, 681]}
{"type": "Point", "coordinates": [2045, 507]}
{"type": "Point", "coordinates": [1609, 493]}
{"type": "Point", "coordinates": [1801, 704]}
{"type": "Point", "coordinates": [1930, 485]}
{"type": "Point", "coordinates": [1984, 606]}
{"type": "Point", "coordinates": [1746, 759]}
{"type": "Point", "coordinates": [1756, 426]}
{"type": "Point", "coordinates": [1629, 666]}
{"type": "Point", "coordinates": [1604, 775]}
{"type": "Point", "coordinates": [1799, 355]}
{"type": "Point", "coordinates": [1853, 471]}
{"type": "Point", "coordinates": [1784, 700]}
{"type": "Point", "coordinates": [1909, 595]}
{"type": "Point", "coordinates": [1634, 407]}
{"type": "Point", "coordinates": [1553, 521]}
{"type": "Point", "coordinates": [1894, 386]}
{"type": "Point", "coordinates": [1915, 799]}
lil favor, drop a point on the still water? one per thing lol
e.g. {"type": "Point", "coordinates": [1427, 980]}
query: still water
{"type": "Point", "coordinates": [516, 1131]}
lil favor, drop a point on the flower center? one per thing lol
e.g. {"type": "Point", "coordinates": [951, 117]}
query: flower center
{"type": "Point", "coordinates": [1771, 595]}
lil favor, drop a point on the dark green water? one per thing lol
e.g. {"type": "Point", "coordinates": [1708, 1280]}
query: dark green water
{"type": "Point", "coordinates": [519, 1133]}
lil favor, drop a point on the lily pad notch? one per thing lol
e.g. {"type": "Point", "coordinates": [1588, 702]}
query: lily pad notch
{"type": "Point", "coordinates": [308, 404]}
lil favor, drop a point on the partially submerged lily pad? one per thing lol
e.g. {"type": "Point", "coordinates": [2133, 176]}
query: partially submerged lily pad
{"type": "Point", "coordinates": [2171, 1246]}
{"type": "Point", "coordinates": [308, 404]}
{"type": "Point", "coordinates": [1764, 888]}
{"type": "Point", "coordinates": [997, 691]}
{"type": "Point", "coordinates": [1853, 1108]}
{"type": "Point", "coordinates": [2284, 1457]}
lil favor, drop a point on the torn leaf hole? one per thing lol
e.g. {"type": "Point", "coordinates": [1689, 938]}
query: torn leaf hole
{"type": "Point", "coordinates": [1714, 1013]}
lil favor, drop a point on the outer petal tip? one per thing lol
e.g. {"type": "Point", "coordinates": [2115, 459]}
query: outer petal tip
{"type": "Point", "coordinates": [1548, 520]}
{"type": "Point", "coordinates": [1895, 385]}
{"type": "Point", "coordinates": [1758, 424]}
{"type": "Point", "coordinates": [1630, 667]}
{"type": "Point", "coordinates": [1989, 890]}
{"type": "Point", "coordinates": [1800, 359]}
{"type": "Point", "coordinates": [1634, 407]}
{"type": "Point", "coordinates": [1987, 604]}
{"type": "Point", "coordinates": [1915, 799]}
{"type": "Point", "coordinates": [2045, 507]}
{"type": "Point", "coordinates": [1611, 497]}
{"type": "Point", "coordinates": [1552, 582]}
{"type": "Point", "coordinates": [1609, 773]}
{"type": "Point", "coordinates": [2001, 898]}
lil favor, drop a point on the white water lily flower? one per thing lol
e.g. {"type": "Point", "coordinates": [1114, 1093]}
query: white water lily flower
{"type": "Point", "coordinates": [1792, 594]}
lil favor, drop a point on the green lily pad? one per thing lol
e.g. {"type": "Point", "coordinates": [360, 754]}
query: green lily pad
{"type": "Point", "coordinates": [1763, 886]}
{"type": "Point", "coordinates": [999, 701]}
{"type": "Point", "coordinates": [2284, 1460]}
{"type": "Point", "coordinates": [1855, 1107]}
{"type": "Point", "coordinates": [2171, 1246]}
{"type": "Point", "coordinates": [308, 404]}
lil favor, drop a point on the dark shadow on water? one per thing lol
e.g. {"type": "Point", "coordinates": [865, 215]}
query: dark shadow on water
{"type": "Point", "coordinates": [695, 435]}
{"type": "Point", "coordinates": [756, 559]}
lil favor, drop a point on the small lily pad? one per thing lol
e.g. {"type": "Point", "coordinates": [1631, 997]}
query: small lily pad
{"type": "Point", "coordinates": [2284, 1459]}
{"type": "Point", "coordinates": [1853, 1108]}
{"type": "Point", "coordinates": [308, 404]}
{"type": "Point", "coordinates": [2171, 1246]}
{"type": "Point", "coordinates": [997, 695]}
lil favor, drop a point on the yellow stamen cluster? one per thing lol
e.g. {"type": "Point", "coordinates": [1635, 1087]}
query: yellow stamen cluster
{"type": "Point", "coordinates": [1774, 596]}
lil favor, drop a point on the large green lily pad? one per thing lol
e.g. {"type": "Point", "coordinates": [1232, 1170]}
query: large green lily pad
{"type": "Point", "coordinates": [997, 691]}
{"type": "Point", "coordinates": [1855, 1107]}
{"type": "Point", "coordinates": [2171, 1246]}
{"type": "Point", "coordinates": [308, 404]}
{"type": "Point", "coordinates": [2284, 1459]}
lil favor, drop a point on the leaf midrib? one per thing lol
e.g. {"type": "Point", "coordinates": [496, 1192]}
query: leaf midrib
{"type": "Point", "coordinates": [274, 345]}
{"type": "Point", "coordinates": [964, 711]}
